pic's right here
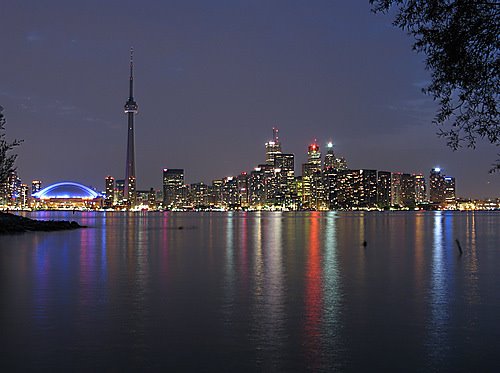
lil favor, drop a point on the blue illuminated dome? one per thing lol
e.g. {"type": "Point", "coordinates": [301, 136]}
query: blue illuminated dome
{"type": "Point", "coordinates": [67, 189]}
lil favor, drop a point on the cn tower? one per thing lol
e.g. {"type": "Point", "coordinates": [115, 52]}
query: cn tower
{"type": "Point", "coordinates": [129, 193]}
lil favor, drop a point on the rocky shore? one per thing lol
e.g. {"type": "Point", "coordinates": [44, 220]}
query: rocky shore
{"type": "Point", "coordinates": [10, 223]}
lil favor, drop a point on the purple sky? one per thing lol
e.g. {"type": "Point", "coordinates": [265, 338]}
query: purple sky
{"type": "Point", "coordinates": [212, 79]}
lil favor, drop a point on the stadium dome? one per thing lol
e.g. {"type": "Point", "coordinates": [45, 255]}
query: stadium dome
{"type": "Point", "coordinates": [65, 190]}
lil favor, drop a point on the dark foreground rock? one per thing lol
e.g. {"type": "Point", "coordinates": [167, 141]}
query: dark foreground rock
{"type": "Point", "coordinates": [10, 223]}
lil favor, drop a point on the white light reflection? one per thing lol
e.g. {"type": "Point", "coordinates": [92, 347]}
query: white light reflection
{"type": "Point", "coordinates": [438, 293]}
{"type": "Point", "coordinates": [332, 293]}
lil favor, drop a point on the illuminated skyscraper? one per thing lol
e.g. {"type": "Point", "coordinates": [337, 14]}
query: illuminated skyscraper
{"type": "Point", "coordinates": [36, 186]}
{"type": "Point", "coordinates": [436, 186]}
{"type": "Point", "coordinates": [173, 185]}
{"type": "Point", "coordinates": [314, 155]}
{"type": "Point", "coordinates": [131, 110]}
{"type": "Point", "coordinates": [449, 192]}
{"type": "Point", "coordinates": [420, 190]}
{"type": "Point", "coordinates": [329, 157]}
{"type": "Point", "coordinates": [110, 191]}
{"type": "Point", "coordinates": [273, 147]}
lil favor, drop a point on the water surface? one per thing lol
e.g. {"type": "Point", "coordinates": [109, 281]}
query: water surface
{"type": "Point", "coordinates": [253, 292]}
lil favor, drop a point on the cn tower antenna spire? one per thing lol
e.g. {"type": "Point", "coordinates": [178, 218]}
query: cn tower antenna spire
{"type": "Point", "coordinates": [131, 93]}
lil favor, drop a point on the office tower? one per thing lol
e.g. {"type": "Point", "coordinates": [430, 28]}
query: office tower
{"type": "Point", "coordinates": [216, 193]}
{"type": "Point", "coordinates": [173, 188]}
{"type": "Point", "coordinates": [311, 172]}
{"type": "Point", "coordinates": [329, 157]}
{"type": "Point", "coordinates": [110, 192]}
{"type": "Point", "coordinates": [273, 147]}
{"type": "Point", "coordinates": [242, 181]}
{"type": "Point", "coordinates": [407, 191]}
{"type": "Point", "coordinates": [396, 192]}
{"type": "Point", "coordinates": [199, 195]}
{"type": "Point", "coordinates": [368, 194]}
{"type": "Point", "coordinates": [340, 163]}
{"type": "Point", "coordinates": [256, 188]}
{"type": "Point", "coordinates": [357, 189]}
{"type": "Point", "coordinates": [384, 187]}
{"type": "Point", "coordinates": [23, 196]}
{"type": "Point", "coordinates": [152, 199]}
{"type": "Point", "coordinates": [436, 186]}
{"type": "Point", "coordinates": [449, 186]}
{"type": "Point", "coordinates": [314, 155]}
{"type": "Point", "coordinates": [36, 186]}
{"type": "Point", "coordinates": [420, 190]}
{"type": "Point", "coordinates": [230, 193]}
{"type": "Point", "coordinates": [131, 110]}
{"type": "Point", "coordinates": [284, 182]}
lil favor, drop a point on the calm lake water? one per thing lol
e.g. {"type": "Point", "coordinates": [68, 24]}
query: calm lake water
{"type": "Point", "coordinates": [237, 292]}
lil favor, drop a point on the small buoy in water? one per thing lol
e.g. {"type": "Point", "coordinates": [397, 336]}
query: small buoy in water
{"type": "Point", "coordinates": [459, 246]}
{"type": "Point", "coordinates": [180, 227]}
{"type": "Point", "coordinates": [365, 243]}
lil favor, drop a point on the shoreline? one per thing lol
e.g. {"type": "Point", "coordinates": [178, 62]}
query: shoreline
{"type": "Point", "coordinates": [11, 223]}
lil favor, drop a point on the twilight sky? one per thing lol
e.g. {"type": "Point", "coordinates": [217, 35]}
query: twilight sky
{"type": "Point", "coordinates": [212, 79]}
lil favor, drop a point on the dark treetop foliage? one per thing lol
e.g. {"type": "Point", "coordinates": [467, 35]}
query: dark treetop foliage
{"type": "Point", "coordinates": [461, 39]}
{"type": "Point", "coordinates": [6, 160]}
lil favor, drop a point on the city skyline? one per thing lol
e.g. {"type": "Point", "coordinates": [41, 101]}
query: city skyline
{"type": "Point", "coordinates": [209, 98]}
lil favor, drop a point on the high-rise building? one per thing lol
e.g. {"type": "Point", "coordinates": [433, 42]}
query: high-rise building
{"type": "Point", "coordinates": [199, 195]}
{"type": "Point", "coordinates": [119, 191]}
{"type": "Point", "coordinates": [152, 199]}
{"type": "Point", "coordinates": [329, 157]}
{"type": "Point", "coordinates": [420, 190]}
{"type": "Point", "coordinates": [273, 147]}
{"type": "Point", "coordinates": [314, 155]}
{"type": "Point", "coordinates": [436, 186]}
{"type": "Point", "coordinates": [384, 188]}
{"type": "Point", "coordinates": [173, 188]}
{"type": "Point", "coordinates": [284, 174]}
{"type": "Point", "coordinates": [23, 196]}
{"type": "Point", "coordinates": [396, 189]}
{"type": "Point", "coordinates": [131, 110]}
{"type": "Point", "coordinates": [36, 186]}
{"type": "Point", "coordinates": [242, 181]}
{"type": "Point", "coordinates": [407, 190]}
{"type": "Point", "coordinates": [110, 191]}
{"type": "Point", "coordinates": [256, 188]}
{"type": "Point", "coordinates": [449, 192]}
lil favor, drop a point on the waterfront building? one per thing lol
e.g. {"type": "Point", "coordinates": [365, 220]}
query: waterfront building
{"type": "Point", "coordinates": [67, 195]}
{"type": "Point", "coordinates": [173, 188]}
{"type": "Point", "coordinates": [407, 191]}
{"type": "Point", "coordinates": [437, 188]}
{"type": "Point", "coordinates": [242, 181]}
{"type": "Point", "coordinates": [110, 192]}
{"type": "Point", "coordinates": [199, 196]}
{"type": "Point", "coordinates": [449, 189]}
{"type": "Point", "coordinates": [36, 186]}
{"type": "Point", "coordinates": [420, 189]}
{"type": "Point", "coordinates": [152, 205]}
{"type": "Point", "coordinates": [119, 191]}
{"type": "Point", "coordinates": [256, 188]}
{"type": "Point", "coordinates": [216, 193]}
{"type": "Point", "coordinates": [129, 193]}
{"type": "Point", "coordinates": [396, 189]}
{"type": "Point", "coordinates": [384, 188]}
{"type": "Point", "coordinates": [230, 193]}
{"type": "Point", "coordinates": [357, 189]}
{"type": "Point", "coordinates": [23, 201]}
{"type": "Point", "coordinates": [285, 194]}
